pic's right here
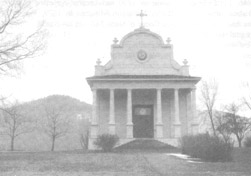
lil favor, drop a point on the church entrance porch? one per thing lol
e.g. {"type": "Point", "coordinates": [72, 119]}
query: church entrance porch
{"type": "Point", "coordinates": [142, 113]}
{"type": "Point", "coordinates": [164, 114]}
{"type": "Point", "coordinates": [143, 125]}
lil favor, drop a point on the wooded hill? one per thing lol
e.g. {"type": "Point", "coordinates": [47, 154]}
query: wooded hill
{"type": "Point", "coordinates": [51, 123]}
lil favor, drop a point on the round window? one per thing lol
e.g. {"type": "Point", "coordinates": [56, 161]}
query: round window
{"type": "Point", "coordinates": [142, 55]}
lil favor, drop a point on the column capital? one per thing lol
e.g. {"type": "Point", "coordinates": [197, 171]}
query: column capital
{"type": "Point", "coordinates": [193, 88]}
{"type": "Point", "coordinates": [159, 123]}
{"type": "Point", "coordinates": [93, 89]}
{"type": "Point", "coordinates": [178, 123]}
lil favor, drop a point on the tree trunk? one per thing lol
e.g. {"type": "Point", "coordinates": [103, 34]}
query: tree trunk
{"type": "Point", "coordinates": [239, 141]}
{"type": "Point", "coordinates": [53, 143]}
{"type": "Point", "coordinates": [212, 123]}
{"type": "Point", "coordinates": [12, 143]}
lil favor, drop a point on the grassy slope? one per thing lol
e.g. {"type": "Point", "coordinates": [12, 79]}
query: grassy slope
{"type": "Point", "coordinates": [241, 166]}
{"type": "Point", "coordinates": [79, 163]}
{"type": "Point", "coordinates": [71, 163]}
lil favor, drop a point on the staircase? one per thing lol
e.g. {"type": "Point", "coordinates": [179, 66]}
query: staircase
{"type": "Point", "coordinates": [147, 145]}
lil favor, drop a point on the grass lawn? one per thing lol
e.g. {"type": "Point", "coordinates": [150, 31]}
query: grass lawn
{"type": "Point", "coordinates": [131, 163]}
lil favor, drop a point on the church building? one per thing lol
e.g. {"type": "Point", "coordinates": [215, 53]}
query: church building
{"type": "Point", "coordinates": [142, 92]}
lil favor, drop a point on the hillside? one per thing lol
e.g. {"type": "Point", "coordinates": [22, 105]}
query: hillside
{"type": "Point", "coordinates": [74, 103]}
{"type": "Point", "coordinates": [69, 115]}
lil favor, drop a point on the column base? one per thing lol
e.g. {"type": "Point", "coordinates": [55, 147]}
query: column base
{"type": "Point", "coordinates": [94, 131]}
{"type": "Point", "coordinates": [91, 145]}
{"type": "Point", "coordinates": [112, 129]}
{"type": "Point", "coordinates": [129, 131]}
{"type": "Point", "coordinates": [159, 130]}
{"type": "Point", "coordinates": [177, 130]}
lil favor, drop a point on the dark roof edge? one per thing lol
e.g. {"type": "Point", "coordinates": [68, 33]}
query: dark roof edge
{"type": "Point", "coordinates": [143, 77]}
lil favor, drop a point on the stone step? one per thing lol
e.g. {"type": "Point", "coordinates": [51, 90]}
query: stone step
{"type": "Point", "coordinates": [146, 145]}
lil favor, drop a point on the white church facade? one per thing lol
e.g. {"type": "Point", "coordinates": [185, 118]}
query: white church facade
{"type": "Point", "coordinates": [142, 92]}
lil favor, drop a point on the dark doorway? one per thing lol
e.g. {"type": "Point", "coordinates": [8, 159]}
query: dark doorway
{"type": "Point", "coordinates": [143, 121]}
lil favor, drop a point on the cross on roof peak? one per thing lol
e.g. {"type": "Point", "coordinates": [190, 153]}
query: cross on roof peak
{"type": "Point", "coordinates": [141, 16]}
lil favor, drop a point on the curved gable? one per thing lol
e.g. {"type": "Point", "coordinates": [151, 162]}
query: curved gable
{"type": "Point", "coordinates": [141, 52]}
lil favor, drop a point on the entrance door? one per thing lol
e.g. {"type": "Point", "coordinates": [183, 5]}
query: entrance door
{"type": "Point", "coordinates": [143, 121]}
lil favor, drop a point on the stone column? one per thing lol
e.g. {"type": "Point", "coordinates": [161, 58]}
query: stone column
{"type": "Point", "coordinates": [189, 112]}
{"type": "Point", "coordinates": [177, 124]}
{"type": "Point", "coordinates": [159, 124]}
{"type": "Point", "coordinates": [129, 125]}
{"type": "Point", "coordinates": [112, 117]}
{"type": "Point", "coordinates": [194, 123]}
{"type": "Point", "coordinates": [94, 124]}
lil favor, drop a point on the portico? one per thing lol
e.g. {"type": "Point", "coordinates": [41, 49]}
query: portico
{"type": "Point", "coordinates": [116, 97]}
{"type": "Point", "coordinates": [142, 92]}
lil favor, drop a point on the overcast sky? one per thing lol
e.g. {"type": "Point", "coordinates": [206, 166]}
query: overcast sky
{"type": "Point", "coordinates": [213, 35]}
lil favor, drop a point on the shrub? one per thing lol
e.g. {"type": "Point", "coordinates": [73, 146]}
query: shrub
{"type": "Point", "coordinates": [106, 142]}
{"type": "Point", "coordinates": [206, 147]}
{"type": "Point", "coordinates": [247, 142]}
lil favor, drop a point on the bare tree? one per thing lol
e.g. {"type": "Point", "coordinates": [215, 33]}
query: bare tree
{"type": "Point", "coordinates": [15, 123]}
{"type": "Point", "coordinates": [209, 92]}
{"type": "Point", "coordinates": [237, 125]}
{"type": "Point", "coordinates": [247, 98]}
{"type": "Point", "coordinates": [16, 44]}
{"type": "Point", "coordinates": [56, 122]}
{"type": "Point", "coordinates": [83, 125]}
{"type": "Point", "coordinates": [222, 127]}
